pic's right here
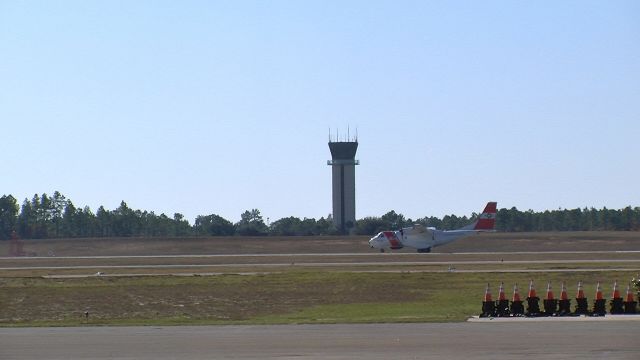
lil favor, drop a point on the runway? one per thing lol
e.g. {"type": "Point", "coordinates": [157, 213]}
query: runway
{"type": "Point", "coordinates": [502, 341]}
{"type": "Point", "coordinates": [320, 264]}
{"type": "Point", "coordinates": [505, 253]}
{"type": "Point", "coordinates": [370, 262]}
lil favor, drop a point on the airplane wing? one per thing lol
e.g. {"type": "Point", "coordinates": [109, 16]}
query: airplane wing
{"type": "Point", "coordinates": [415, 229]}
{"type": "Point", "coordinates": [419, 228]}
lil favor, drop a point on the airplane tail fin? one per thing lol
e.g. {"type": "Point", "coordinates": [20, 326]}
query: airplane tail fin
{"type": "Point", "coordinates": [487, 219]}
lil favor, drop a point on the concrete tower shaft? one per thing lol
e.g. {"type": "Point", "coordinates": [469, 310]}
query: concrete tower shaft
{"type": "Point", "coordinates": [343, 183]}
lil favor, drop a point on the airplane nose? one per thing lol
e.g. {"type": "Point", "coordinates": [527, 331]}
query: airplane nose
{"type": "Point", "coordinates": [372, 242]}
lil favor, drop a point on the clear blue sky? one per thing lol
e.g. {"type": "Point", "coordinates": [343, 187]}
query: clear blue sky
{"type": "Point", "coordinates": [204, 107]}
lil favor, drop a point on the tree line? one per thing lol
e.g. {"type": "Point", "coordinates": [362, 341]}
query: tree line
{"type": "Point", "coordinates": [514, 220]}
{"type": "Point", "coordinates": [56, 216]}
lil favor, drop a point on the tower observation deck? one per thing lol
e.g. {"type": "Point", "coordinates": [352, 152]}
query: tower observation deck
{"type": "Point", "coordinates": [344, 183]}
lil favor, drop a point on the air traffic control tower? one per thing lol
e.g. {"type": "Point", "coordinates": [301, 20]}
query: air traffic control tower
{"type": "Point", "coordinates": [343, 168]}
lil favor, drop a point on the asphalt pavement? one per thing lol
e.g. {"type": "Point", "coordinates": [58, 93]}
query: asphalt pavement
{"type": "Point", "coordinates": [480, 340]}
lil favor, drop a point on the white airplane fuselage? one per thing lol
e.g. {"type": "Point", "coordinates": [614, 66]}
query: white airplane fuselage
{"type": "Point", "coordinates": [422, 241]}
{"type": "Point", "coordinates": [425, 238]}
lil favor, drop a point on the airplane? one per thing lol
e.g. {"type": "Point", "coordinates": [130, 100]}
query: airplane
{"type": "Point", "coordinates": [424, 239]}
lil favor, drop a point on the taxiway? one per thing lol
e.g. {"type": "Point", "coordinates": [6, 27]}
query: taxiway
{"type": "Point", "coordinates": [502, 341]}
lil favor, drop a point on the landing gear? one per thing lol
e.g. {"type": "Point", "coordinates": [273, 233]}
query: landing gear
{"type": "Point", "coordinates": [381, 250]}
{"type": "Point", "coordinates": [427, 250]}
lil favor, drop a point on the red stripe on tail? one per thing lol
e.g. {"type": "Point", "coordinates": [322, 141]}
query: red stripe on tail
{"type": "Point", "coordinates": [487, 220]}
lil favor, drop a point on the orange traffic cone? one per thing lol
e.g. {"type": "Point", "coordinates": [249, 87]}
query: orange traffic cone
{"type": "Point", "coordinates": [549, 292]}
{"type": "Point", "coordinates": [502, 305]}
{"type": "Point", "coordinates": [598, 292]}
{"type": "Point", "coordinates": [582, 306]}
{"type": "Point", "coordinates": [488, 306]}
{"type": "Point", "coordinates": [580, 291]}
{"type": "Point", "coordinates": [563, 293]}
{"type": "Point", "coordinates": [599, 303]}
{"type": "Point", "coordinates": [629, 293]}
{"type": "Point", "coordinates": [533, 308]}
{"type": "Point", "coordinates": [564, 305]}
{"type": "Point", "coordinates": [616, 293]}
{"type": "Point", "coordinates": [532, 290]}
{"type": "Point", "coordinates": [517, 309]}
{"type": "Point", "coordinates": [615, 305]}
{"type": "Point", "coordinates": [516, 293]}
{"type": "Point", "coordinates": [550, 303]}
{"type": "Point", "coordinates": [501, 296]}
{"type": "Point", "coordinates": [487, 294]}
{"type": "Point", "coordinates": [629, 304]}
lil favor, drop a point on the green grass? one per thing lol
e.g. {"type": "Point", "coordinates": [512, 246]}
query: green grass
{"type": "Point", "coordinates": [284, 298]}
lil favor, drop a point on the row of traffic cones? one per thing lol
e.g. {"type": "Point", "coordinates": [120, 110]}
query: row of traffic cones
{"type": "Point", "coordinates": [556, 307]}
